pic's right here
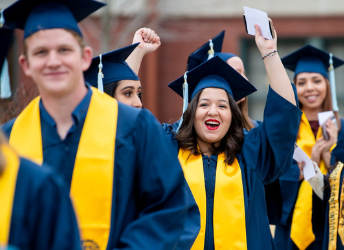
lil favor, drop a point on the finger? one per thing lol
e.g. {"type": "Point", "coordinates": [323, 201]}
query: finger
{"type": "Point", "coordinates": [151, 36]}
{"type": "Point", "coordinates": [258, 34]}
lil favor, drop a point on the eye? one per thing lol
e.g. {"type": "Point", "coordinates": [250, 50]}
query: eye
{"type": "Point", "coordinates": [317, 81]}
{"type": "Point", "coordinates": [128, 93]}
{"type": "Point", "coordinates": [222, 106]}
{"type": "Point", "coordinates": [40, 52]}
{"type": "Point", "coordinates": [203, 104]}
{"type": "Point", "coordinates": [139, 95]}
{"type": "Point", "coordinates": [301, 83]}
{"type": "Point", "coordinates": [64, 50]}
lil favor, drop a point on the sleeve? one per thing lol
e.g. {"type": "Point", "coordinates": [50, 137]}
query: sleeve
{"type": "Point", "coordinates": [268, 148]}
{"type": "Point", "coordinates": [289, 184]}
{"type": "Point", "coordinates": [54, 219]}
{"type": "Point", "coordinates": [161, 190]}
{"type": "Point", "coordinates": [7, 128]}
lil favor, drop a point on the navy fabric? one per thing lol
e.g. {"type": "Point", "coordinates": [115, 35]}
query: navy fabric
{"type": "Point", "coordinates": [150, 201]}
{"type": "Point", "coordinates": [214, 73]}
{"type": "Point", "coordinates": [114, 67]}
{"type": "Point", "coordinates": [36, 15]}
{"type": "Point", "coordinates": [42, 215]}
{"type": "Point", "coordinates": [201, 54]}
{"type": "Point", "coordinates": [310, 59]}
{"type": "Point", "coordinates": [289, 190]}
{"type": "Point", "coordinates": [265, 156]}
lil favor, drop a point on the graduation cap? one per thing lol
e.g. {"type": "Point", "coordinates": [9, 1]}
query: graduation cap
{"type": "Point", "coordinates": [6, 37]}
{"type": "Point", "coordinates": [36, 15]}
{"type": "Point", "coordinates": [111, 67]}
{"type": "Point", "coordinates": [314, 60]}
{"type": "Point", "coordinates": [214, 73]}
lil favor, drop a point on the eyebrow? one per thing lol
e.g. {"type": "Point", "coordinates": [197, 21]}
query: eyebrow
{"type": "Point", "coordinates": [130, 87]}
{"type": "Point", "coordinates": [221, 100]}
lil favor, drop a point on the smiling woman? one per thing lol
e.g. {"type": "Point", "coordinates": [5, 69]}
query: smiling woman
{"type": "Point", "coordinates": [302, 222]}
{"type": "Point", "coordinates": [226, 169]}
{"type": "Point", "coordinates": [217, 124]}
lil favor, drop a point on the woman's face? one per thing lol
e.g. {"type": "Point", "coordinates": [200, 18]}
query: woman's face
{"type": "Point", "coordinates": [311, 90]}
{"type": "Point", "coordinates": [129, 92]}
{"type": "Point", "coordinates": [213, 116]}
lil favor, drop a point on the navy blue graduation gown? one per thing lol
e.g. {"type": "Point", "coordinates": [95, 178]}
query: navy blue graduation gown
{"type": "Point", "coordinates": [265, 156]}
{"type": "Point", "coordinates": [289, 189]}
{"type": "Point", "coordinates": [149, 204]}
{"type": "Point", "coordinates": [42, 215]}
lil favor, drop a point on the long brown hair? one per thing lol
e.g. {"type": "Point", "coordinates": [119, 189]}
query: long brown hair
{"type": "Point", "coordinates": [247, 123]}
{"type": "Point", "coordinates": [231, 143]}
{"type": "Point", "coordinates": [2, 157]}
{"type": "Point", "coordinates": [327, 104]}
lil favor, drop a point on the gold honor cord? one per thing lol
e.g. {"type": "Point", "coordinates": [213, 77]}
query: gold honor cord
{"type": "Point", "coordinates": [8, 181]}
{"type": "Point", "coordinates": [229, 205]}
{"type": "Point", "coordinates": [301, 227]}
{"type": "Point", "coordinates": [94, 164]}
{"type": "Point", "coordinates": [334, 213]}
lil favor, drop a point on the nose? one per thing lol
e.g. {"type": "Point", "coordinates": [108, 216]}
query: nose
{"type": "Point", "coordinates": [53, 60]}
{"type": "Point", "coordinates": [137, 102]}
{"type": "Point", "coordinates": [309, 85]}
{"type": "Point", "coordinates": [213, 110]}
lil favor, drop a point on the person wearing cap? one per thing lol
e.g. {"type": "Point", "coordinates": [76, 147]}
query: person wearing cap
{"type": "Point", "coordinates": [126, 195]}
{"type": "Point", "coordinates": [124, 85]}
{"type": "Point", "coordinates": [119, 81]}
{"type": "Point", "coordinates": [302, 222]}
{"type": "Point", "coordinates": [214, 48]}
{"type": "Point", "coordinates": [202, 54]}
{"type": "Point", "coordinates": [36, 211]}
{"type": "Point", "coordinates": [226, 168]}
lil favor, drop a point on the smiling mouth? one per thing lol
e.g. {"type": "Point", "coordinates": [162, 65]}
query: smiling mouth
{"type": "Point", "coordinates": [212, 124]}
{"type": "Point", "coordinates": [312, 98]}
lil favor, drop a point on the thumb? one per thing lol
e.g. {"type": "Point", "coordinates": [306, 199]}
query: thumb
{"type": "Point", "coordinates": [258, 34]}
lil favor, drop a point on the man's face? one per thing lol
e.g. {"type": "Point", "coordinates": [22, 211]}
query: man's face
{"type": "Point", "coordinates": [55, 61]}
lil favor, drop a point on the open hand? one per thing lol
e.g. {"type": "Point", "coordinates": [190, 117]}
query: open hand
{"type": "Point", "coordinates": [265, 46]}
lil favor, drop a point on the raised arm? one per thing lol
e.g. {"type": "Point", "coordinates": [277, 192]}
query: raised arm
{"type": "Point", "coordinates": [277, 75]}
{"type": "Point", "coordinates": [149, 42]}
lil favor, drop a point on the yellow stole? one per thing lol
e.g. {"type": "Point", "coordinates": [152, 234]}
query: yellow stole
{"type": "Point", "coordinates": [301, 227]}
{"type": "Point", "coordinates": [335, 225]}
{"type": "Point", "coordinates": [8, 181]}
{"type": "Point", "coordinates": [229, 206]}
{"type": "Point", "coordinates": [92, 182]}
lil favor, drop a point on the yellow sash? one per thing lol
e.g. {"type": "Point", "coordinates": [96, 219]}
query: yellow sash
{"type": "Point", "coordinates": [92, 182]}
{"type": "Point", "coordinates": [301, 227]}
{"type": "Point", "coordinates": [335, 225]}
{"type": "Point", "coordinates": [229, 206]}
{"type": "Point", "coordinates": [8, 182]}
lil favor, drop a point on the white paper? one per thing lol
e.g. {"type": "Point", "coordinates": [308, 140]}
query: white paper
{"type": "Point", "coordinates": [324, 116]}
{"type": "Point", "coordinates": [308, 170]}
{"type": "Point", "coordinates": [254, 16]}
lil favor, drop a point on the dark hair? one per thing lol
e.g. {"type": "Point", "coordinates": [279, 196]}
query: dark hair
{"type": "Point", "coordinates": [327, 104]}
{"type": "Point", "coordinates": [110, 88]}
{"type": "Point", "coordinates": [3, 140]}
{"type": "Point", "coordinates": [247, 123]}
{"type": "Point", "coordinates": [231, 143]}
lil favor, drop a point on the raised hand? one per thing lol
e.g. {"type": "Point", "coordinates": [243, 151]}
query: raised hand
{"type": "Point", "coordinates": [148, 39]}
{"type": "Point", "coordinates": [265, 46]}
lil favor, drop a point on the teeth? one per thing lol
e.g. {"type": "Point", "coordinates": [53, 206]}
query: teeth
{"type": "Point", "coordinates": [212, 123]}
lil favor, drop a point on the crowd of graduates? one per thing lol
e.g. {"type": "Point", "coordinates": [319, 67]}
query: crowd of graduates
{"type": "Point", "coordinates": [86, 166]}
